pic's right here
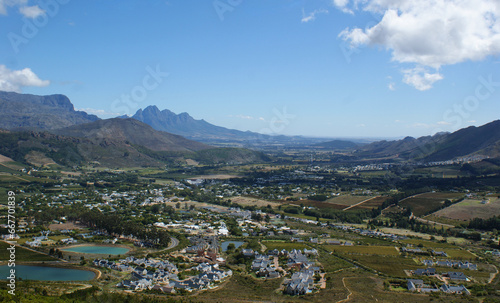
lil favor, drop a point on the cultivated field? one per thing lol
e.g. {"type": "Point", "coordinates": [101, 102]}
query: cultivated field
{"type": "Point", "coordinates": [373, 203]}
{"type": "Point", "coordinates": [318, 204]}
{"type": "Point", "coordinates": [364, 250]}
{"type": "Point", "coordinates": [280, 245]}
{"type": "Point", "coordinates": [347, 200]}
{"type": "Point", "coordinates": [22, 254]}
{"type": "Point", "coordinates": [469, 209]}
{"type": "Point", "coordinates": [5, 159]}
{"type": "Point", "coordinates": [390, 265]}
{"type": "Point", "coordinates": [247, 201]}
{"type": "Point", "coordinates": [428, 202]}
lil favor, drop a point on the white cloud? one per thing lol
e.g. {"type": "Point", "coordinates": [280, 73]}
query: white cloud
{"type": "Point", "coordinates": [245, 117]}
{"type": "Point", "coordinates": [430, 33]}
{"type": "Point", "coordinates": [15, 80]}
{"type": "Point", "coordinates": [420, 78]}
{"type": "Point", "coordinates": [99, 112]}
{"type": "Point", "coordinates": [7, 3]}
{"type": "Point", "coordinates": [392, 86]}
{"type": "Point", "coordinates": [443, 123]}
{"type": "Point", "coordinates": [31, 11]}
{"type": "Point", "coordinates": [342, 5]}
{"type": "Point", "coordinates": [312, 15]}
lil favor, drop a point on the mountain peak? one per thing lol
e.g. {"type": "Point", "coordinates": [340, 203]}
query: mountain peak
{"type": "Point", "coordinates": [39, 112]}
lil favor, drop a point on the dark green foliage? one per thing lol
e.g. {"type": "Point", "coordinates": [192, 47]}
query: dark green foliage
{"type": "Point", "coordinates": [485, 224]}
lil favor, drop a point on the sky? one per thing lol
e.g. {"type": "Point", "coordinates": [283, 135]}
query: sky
{"type": "Point", "coordinates": [323, 68]}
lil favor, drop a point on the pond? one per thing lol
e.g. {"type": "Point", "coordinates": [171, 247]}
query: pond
{"type": "Point", "coordinates": [226, 243]}
{"type": "Point", "coordinates": [98, 250]}
{"type": "Point", "coordinates": [47, 273]}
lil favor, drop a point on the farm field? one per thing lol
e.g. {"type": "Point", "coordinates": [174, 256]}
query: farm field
{"type": "Point", "coordinates": [390, 265]}
{"type": "Point", "coordinates": [22, 254]}
{"type": "Point", "coordinates": [318, 204]}
{"type": "Point", "coordinates": [373, 203]}
{"type": "Point", "coordinates": [442, 220]}
{"type": "Point", "coordinates": [248, 201]}
{"type": "Point", "coordinates": [468, 209]}
{"type": "Point", "coordinates": [279, 245]}
{"type": "Point", "coordinates": [427, 244]}
{"type": "Point", "coordinates": [428, 202]}
{"type": "Point", "coordinates": [347, 200]}
{"type": "Point", "coordinates": [364, 250]}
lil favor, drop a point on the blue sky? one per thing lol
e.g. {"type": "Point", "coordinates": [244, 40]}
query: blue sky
{"type": "Point", "coordinates": [331, 68]}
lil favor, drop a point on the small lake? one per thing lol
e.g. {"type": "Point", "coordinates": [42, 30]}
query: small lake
{"type": "Point", "coordinates": [98, 250]}
{"type": "Point", "coordinates": [226, 243]}
{"type": "Point", "coordinates": [45, 273]}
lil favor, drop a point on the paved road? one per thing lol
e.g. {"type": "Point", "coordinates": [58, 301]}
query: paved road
{"type": "Point", "coordinates": [173, 243]}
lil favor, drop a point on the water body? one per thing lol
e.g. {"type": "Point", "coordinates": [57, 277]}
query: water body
{"type": "Point", "coordinates": [95, 249]}
{"type": "Point", "coordinates": [226, 243]}
{"type": "Point", "coordinates": [45, 273]}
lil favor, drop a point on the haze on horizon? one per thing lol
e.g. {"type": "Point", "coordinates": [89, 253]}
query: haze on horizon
{"type": "Point", "coordinates": [323, 68]}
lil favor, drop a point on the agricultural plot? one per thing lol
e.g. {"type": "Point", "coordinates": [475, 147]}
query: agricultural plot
{"type": "Point", "coordinates": [247, 201]}
{"type": "Point", "coordinates": [319, 204]}
{"type": "Point", "coordinates": [347, 200]}
{"type": "Point", "coordinates": [280, 245]}
{"type": "Point", "coordinates": [389, 265]}
{"type": "Point", "coordinates": [23, 254]}
{"type": "Point", "coordinates": [364, 250]}
{"type": "Point", "coordinates": [373, 203]}
{"type": "Point", "coordinates": [468, 209]}
{"type": "Point", "coordinates": [427, 244]}
{"type": "Point", "coordinates": [426, 203]}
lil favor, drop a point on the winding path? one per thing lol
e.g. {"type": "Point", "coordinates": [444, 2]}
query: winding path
{"type": "Point", "coordinates": [348, 296]}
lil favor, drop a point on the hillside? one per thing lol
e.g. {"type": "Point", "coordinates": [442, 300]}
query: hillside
{"type": "Point", "coordinates": [24, 111]}
{"type": "Point", "coordinates": [483, 140]}
{"type": "Point", "coordinates": [114, 143]}
{"type": "Point", "coordinates": [131, 132]}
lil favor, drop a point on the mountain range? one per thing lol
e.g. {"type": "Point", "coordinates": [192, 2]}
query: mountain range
{"type": "Point", "coordinates": [200, 130]}
{"type": "Point", "coordinates": [152, 136]}
{"type": "Point", "coordinates": [483, 140]}
{"type": "Point", "coordinates": [115, 143]}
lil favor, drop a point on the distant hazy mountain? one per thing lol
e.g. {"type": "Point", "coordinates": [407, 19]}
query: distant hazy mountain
{"type": "Point", "coordinates": [338, 145]}
{"type": "Point", "coordinates": [185, 125]}
{"type": "Point", "coordinates": [39, 112]}
{"type": "Point", "coordinates": [200, 130]}
{"type": "Point", "coordinates": [483, 140]}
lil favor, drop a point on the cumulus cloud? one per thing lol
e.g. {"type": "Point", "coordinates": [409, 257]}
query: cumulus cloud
{"type": "Point", "coordinates": [420, 78]}
{"type": "Point", "coordinates": [312, 15]}
{"type": "Point", "coordinates": [342, 5]}
{"type": "Point", "coordinates": [31, 11]}
{"type": "Point", "coordinates": [429, 33]}
{"type": "Point", "coordinates": [27, 11]}
{"type": "Point", "coordinates": [15, 80]}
